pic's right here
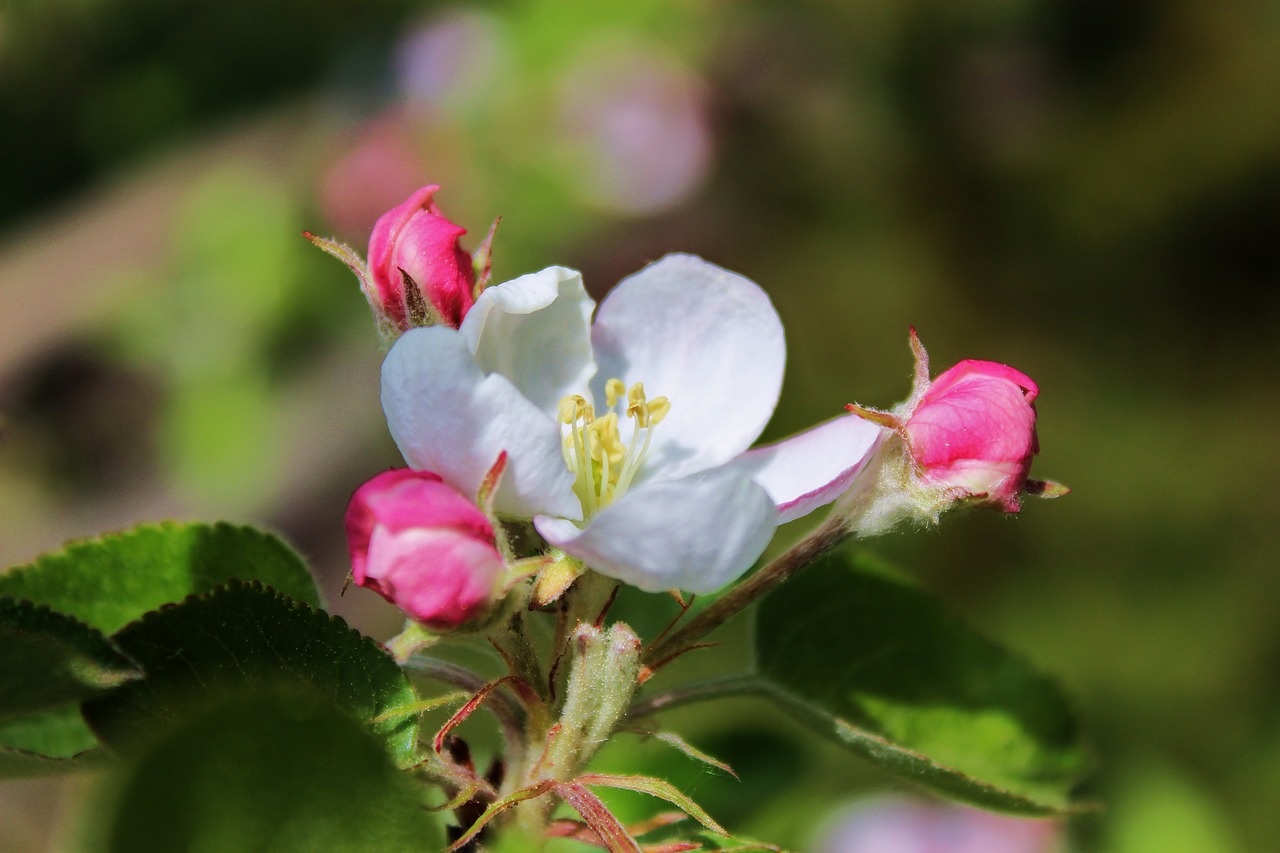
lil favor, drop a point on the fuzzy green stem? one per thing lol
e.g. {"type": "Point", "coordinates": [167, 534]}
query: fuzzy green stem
{"type": "Point", "coordinates": [510, 636]}
{"type": "Point", "coordinates": [747, 684]}
{"type": "Point", "coordinates": [413, 639]}
{"type": "Point", "coordinates": [826, 536]}
{"type": "Point", "coordinates": [587, 599]}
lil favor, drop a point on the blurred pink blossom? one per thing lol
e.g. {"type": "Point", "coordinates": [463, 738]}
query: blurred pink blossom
{"type": "Point", "coordinates": [380, 167]}
{"type": "Point", "coordinates": [892, 825]}
{"type": "Point", "coordinates": [450, 61]}
{"type": "Point", "coordinates": [635, 122]}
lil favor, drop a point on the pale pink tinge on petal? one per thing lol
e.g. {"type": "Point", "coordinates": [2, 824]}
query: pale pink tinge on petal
{"type": "Point", "coordinates": [813, 468]}
{"type": "Point", "coordinates": [441, 578]}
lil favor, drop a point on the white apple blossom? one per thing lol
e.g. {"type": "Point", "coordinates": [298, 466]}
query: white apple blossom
{"type": "Point", "coordinates": [627, 438]}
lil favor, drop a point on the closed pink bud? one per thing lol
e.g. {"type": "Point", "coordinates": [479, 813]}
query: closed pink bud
{"type": "Point", "coordinates": [974, 428]}
{"type": "Point", "coordinates": [414, 240]}
{"type": "Point", "coordinates": [967, 436]}
{"type": "Point", "coordinates": [424, 547]}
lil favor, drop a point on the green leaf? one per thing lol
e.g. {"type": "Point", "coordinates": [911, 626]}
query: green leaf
{"type": "Point", "coordinates": [243, 635]}
{"type": "Point", "coordinates": [874, 662]}
{"type": "Point", "coordinates": [110, 581]}
{"type": "Point", "coordinates": [281, 772]}
{"type": "Point", "coordinates": [49, 662]}
{"type": "Point", "coordinates": [48, 659]}
{"type": "Point", "coordinates": [53, 741]}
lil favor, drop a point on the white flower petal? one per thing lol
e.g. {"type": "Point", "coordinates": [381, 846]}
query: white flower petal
{"type": "Point", "coordinates": [814, 468]}
{"type": "Point", "coordinates": [536, 331]}
{"type": "Point", "coordinates": [446, 416]}
{"type": "Point", "coordinates": [707, 339]}
{"type": "Point", "coordinates": [696, 534]}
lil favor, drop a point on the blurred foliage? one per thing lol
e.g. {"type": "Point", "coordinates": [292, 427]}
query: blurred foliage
{"type": "Point", "coordinates": [1086, 190]}
{"type": "Point", "coordinates": [94, 84]}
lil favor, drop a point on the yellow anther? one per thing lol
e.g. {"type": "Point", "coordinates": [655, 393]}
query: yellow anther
{"type": "Point", "coordinates": [657, 410]}
{"type": "Point", "coordinates": [603, 466]}
{"type": "Point", "coordinates": [570, 408]}
{"type": "Point", "coordinates": [636, 405]}
{"type": "Point", "coordinates": [605, 438]}
{"type": "Point", "coordinates": [613, 390]}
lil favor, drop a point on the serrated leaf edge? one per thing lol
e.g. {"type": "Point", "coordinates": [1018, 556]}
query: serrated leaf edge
{"type": "Point", "coordinates": [318, 616]}
{"type": "Point", "coordinates": [90, 632]}
{"type": "Point", "coordinates": [78, 543]}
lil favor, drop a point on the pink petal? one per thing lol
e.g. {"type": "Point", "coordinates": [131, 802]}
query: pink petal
{"type": "Point", "coordinates": [813, 468]}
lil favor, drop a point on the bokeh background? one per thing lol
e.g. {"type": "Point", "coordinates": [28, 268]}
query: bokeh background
{"type": "Point", "coordinates": [1087, 190]}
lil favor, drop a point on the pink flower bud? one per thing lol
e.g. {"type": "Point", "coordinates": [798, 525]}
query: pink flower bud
{"type": "Point", "coordinates": [975, 428]}
{"type": "Point", "coordinates": [414, 240]}
{"type": "Point", "coordinates": [424, 547]}
{"type": "Point", "coordinates": [968, 435]}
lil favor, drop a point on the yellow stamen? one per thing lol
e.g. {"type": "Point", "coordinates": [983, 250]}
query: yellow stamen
{"type": "Point", "coordinates": [570, 408]}
{"type": "Point", "coordinates": [603, 465]}
{"type": "Point", "coordinates": [613, 390]}
{"type": "Point", "coordinates": [606, 443]}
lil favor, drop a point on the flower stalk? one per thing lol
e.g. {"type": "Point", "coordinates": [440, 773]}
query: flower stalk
{"type": "Point", "coordinates": [833, 531]}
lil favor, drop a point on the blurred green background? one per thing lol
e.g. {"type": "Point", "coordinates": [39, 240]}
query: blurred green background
{"type": "Point", "coordinates": [1086, 190]}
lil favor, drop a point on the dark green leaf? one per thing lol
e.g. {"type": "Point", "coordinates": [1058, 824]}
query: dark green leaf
{"type": "Point", "coordinates": [243, 635]}
{"type": "Point", "coordinates": [875, 663]}
{"type": "Point", "coordinates": [49, 742]}
{"type": "Point", "coordinates": [279, 772]}
{"type": "Point", "coordinates": [110, 581]}
{"type": "Point", "coordinates": [48, 659]}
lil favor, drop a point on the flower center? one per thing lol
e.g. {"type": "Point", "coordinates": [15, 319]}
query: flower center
{"type": "Point", "coordinates": [602, 465]}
